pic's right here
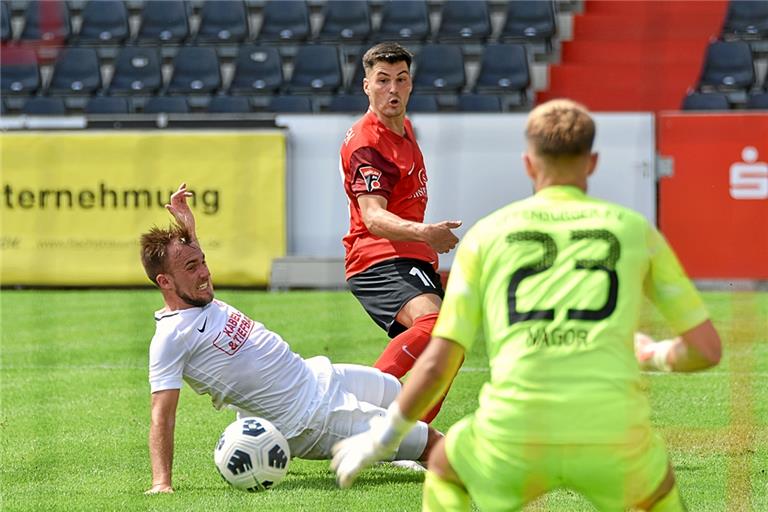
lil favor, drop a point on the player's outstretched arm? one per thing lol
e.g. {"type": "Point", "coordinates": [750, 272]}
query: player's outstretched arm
{"type": "Point", "coordinates": [429, 379]}
{"type": "Point", "coordinates": [161, 428]}
{"type": "Point", "coordinates": [381, 222]}
{"type": "Point", "coordinates": [180, 210]}
{"type": "Point", "coordinates": [698, 348]}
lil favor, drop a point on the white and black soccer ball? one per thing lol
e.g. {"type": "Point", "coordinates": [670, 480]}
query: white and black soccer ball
{"type": "Point", "coordinates": [252, 455]}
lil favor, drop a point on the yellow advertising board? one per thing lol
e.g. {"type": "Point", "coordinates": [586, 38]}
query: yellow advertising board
{"type": "Point", "coordinates": [73, 205]}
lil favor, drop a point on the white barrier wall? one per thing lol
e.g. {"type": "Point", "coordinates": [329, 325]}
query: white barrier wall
{"type": "Point", "coordinates": [474, 166]}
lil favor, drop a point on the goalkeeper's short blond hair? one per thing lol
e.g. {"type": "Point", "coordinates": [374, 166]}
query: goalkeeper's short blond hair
{"type": "Point", "coordinates": [560, 128]}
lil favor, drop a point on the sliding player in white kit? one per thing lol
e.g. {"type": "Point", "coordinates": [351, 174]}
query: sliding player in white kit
{"type": "Point", "coordinates": [243, 365]}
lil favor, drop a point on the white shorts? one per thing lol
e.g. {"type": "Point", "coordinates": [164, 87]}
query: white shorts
{"type": "Point", "coordinates": [355, 395]}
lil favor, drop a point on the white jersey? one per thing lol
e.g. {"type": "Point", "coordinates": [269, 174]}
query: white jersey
{"type": "Point", "coordinates": [218, 350]}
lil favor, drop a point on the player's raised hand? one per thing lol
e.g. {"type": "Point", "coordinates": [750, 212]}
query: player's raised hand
{"type": "Point", "coordinates": [180, 210]}
{"type": "Point", "coordinates": [440, 237]}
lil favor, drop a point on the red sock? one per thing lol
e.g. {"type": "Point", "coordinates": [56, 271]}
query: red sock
{"type": "Point", "coordinates": [402, 351]}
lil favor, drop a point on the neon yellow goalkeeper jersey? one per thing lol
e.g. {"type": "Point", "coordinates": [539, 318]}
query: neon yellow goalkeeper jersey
{"type": "Point", "coordinates": [553, 285]}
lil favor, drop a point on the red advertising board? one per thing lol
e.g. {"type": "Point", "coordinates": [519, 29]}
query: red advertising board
{"type": "Point", "coordinates": [713, 208]}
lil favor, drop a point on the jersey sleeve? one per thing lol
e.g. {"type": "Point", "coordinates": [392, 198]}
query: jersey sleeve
{"type": "Point", "coordinates": [460, 317]}
{"type": "Point", "coordinates": [372, 173]}
{"type": "Point", "coordinates": [167, 354]}
{"type": "Point", "coordinates": [669, 288]}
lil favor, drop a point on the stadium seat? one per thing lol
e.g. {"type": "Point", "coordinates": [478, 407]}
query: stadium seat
{"type": "Point", "coordinates": [422, 103]}
{"type": "Point", "coordinates": [166, 105]}
{"type": "Point", "coordinates": [258, 69]}
{"type": "Point", "coordinates": [728, 65]}
{"type": "Point", "coordinates": [530, 20]}
{"type": "Point", "coordinates": [404, 20]}
{"type": "Point", "coordinates": [290, 104]}
{"type": "Point", "coordinates": [348, 103]}
{"type": "Point", "coordinates": [76, 71]}
{"type": "Point", "coordinates": [3, 108]}
{"type": "Point", "coordinates": [44, 106]}
{"type": "Point", "coordinates": [479, 103]}
{"type": "Point", "coordinates": [355, 85]}
{"type": "Point", "coordinates": [345, 21]}
{"type": "Point", "coordinates": [316, 69]}
{"type": "Point", "coordinates": [284, 21]}
{"type": "Point", "coordinates": [439, 68]}
{"type": "Point", "coordinates": [223, 21]}
{"type": "Point", "coordinates": [19, 71]}
{"type": "Point", "coordinates": [464, 21]}
{"type": "Point", "coordinates": [758, 100]}
{"type": "Point", "coordinates": [702, 101]}
{"type": "Point", "coordinates": [6, 31]}
{"type": "Point", "coordinates": [504, 68]}
{"type": "Point", "coordinates": [46, 22]}
{"type": "Point", "coordinates": [195, 71]}
{"type": "Point", "coordinates": [104, 22]}
{"type": "Point", "coordinates": [164, 21]}
{"type": "Point", "coordinates": [746, 19]}
{"type": "Point", "coordinates": [107, 105]}
{"type": "Point", "coordinates": [229, 105]}
{"type": "Point", "coordinates": [136, 71]}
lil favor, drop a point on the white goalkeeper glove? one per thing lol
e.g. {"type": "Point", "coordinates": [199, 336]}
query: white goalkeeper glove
{"type": "Point", "coordinates": [356, 453]}
{"type": "Point", "coordinates": [652, 355]}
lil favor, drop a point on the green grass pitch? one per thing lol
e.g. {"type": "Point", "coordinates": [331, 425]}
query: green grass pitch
{"type": "Point", "coordinates": [74, 408]}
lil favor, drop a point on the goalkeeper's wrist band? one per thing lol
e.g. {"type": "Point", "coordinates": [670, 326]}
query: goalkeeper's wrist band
{"type": "Point", "coordinates": [397, 426]}
{"type": "Point", "coordinates": [660, 359]}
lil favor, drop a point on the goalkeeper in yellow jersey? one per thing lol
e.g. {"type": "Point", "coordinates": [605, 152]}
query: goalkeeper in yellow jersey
{"type": "Point", "coordinates": [553, 286]}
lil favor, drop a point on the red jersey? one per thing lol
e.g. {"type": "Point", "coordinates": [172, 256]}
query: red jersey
{"type": "Point", "coordinates": [376, 160]}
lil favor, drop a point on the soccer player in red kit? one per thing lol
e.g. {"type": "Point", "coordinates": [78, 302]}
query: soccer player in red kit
{"type": "Point", "coordinates": [391, 254]}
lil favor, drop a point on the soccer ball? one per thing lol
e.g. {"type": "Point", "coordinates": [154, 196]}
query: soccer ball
{"type": "Point", "coordinates": [252, 455]}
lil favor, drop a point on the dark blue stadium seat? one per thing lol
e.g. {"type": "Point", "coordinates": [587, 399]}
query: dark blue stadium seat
{"type": "Point", "coordinates": [290, 104]}
{"type": "Point", "coordinates": [19, 71]}
{"type": "Point", "coordinates": [747, 19]}
{"type": "Point", "coordinates": [758, 100]}
{"type": "Point", "coordinates": [223, 21]}
{"type": "Point", "coordinates": [229, 105]}
{"type": "Point", "coordinates": [530, 20]}
{"type": "Point", "coordinates": [76, 71]}
{"type": "Point", "coordinates": [504, 68]}
{"type": "Point", "coordinates": [728, 65]}
{"type": "Point", "coordinates": [355, 85]}
{"type": "Point", "coordinates": [345, 21]}
{"type": "Point", "coordinates": [702, 101]}
{"type": "Point", "coordinates": [164, 21]}
{"type": "Point", "coordinates": [464, 21]}
{"type": "Point", "coordinates": [258, 69]}
{"type": "Point", "coordinates": [284, 21]}
{"type": "Point", "coordinates": [107, 105]}
{"type": "Point", "coordinates": [46, 21]}
{"type": "Point", "coordinates": [404, 20]}
{"type": "Point", "coordinates": [195, 71]}
{"type": "Point", "coordinates": [479, 103]}
{"type": "Point", "coordinates": [166, 105]}
{"type": "Point", "coordinates": [136, 71]}
{"type": "Point", "coordinates": [348, 103]}
{"type": "Point", "coordinates": [104, 22]}
{"type": "Point", "coordinates": [316, 69]}
{"type": "Point", "coordinates": [44, 106]}
{"type": "Point", "coordinates": [439, 68]}
{"type": "Point", "coordinates": [6, 31]}
{"type": "Point", "coordinates": [422, 103]}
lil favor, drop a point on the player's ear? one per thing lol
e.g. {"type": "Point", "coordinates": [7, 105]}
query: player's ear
{"type": "Point", "coordinates": [365, 86]}
{"type": "Point", "coordinates": [529, 168]}
{"type": "Point", "coordinates": [592, 164]}
{"type": "Point", "coordinates": [163, 281]}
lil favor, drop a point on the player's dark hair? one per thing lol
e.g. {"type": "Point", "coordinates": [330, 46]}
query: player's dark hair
{"type": "Point", "coordinates": [386, 52]}
{"type": "Point", "coordinates": [560, 128]}
{"type": "Point", "coordinates": [154, 248]}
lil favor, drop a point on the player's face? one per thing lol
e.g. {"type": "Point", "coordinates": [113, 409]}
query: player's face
{"type": "Point", "coordinates": [388, 87]}
{"type": "Point", "coordinates": [188, 274]}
